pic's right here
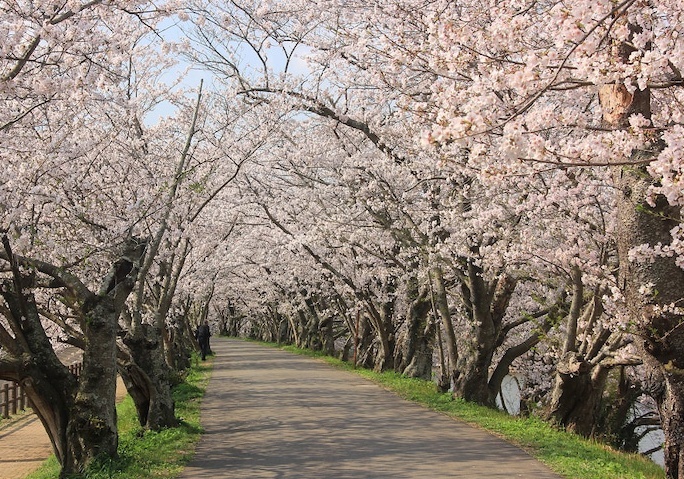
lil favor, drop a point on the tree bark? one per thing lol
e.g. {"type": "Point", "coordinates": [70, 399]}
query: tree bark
{"type": "Point", "coordinates": [365, 343]}
{"type": "Point", "coordinates": [92, 429]}
{"type": "Point", "coordinates": [381, 321]}
{"type": "Point", "coordinates": [661, 330]}
{"type": "Point", "coordinates": [650, 287]}
{"type": "Point", "coordinates": [79, 416]}
{"type": "Point", "coordinates": [578, 385]}
{"type": "Point", "coordinates": [441, 303]}
{"type": "Point", "coordinates": [149, 385]}
{"type": "Point", "coordinates": [577, 394]}
{"type": "Point", "coordinates": [487, 304]}
{"type": "Point", "coordinates": [417, 346]}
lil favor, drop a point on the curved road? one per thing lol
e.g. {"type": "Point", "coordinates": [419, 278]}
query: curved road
{"type": "Point", "coordinates": [272, 414]}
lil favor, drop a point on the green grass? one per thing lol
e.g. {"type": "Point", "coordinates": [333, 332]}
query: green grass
{"type": "Point", "coordinates": [567, 454]}
{"type": "Point", "coordinates": [148, 454]}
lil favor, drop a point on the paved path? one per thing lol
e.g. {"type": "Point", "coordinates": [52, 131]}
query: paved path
{"type": "Point", "coordinates": [272, 414]}
{"type": "Point", "coordinates": [24, 446]}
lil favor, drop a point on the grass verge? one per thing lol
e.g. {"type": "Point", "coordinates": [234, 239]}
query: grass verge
{"type": "Point", "coordinates": [149, 454]}
{"type": "Point", "coordinates": [567, 454]}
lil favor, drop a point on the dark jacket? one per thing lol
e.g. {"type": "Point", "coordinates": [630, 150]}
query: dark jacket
{"type": "Point", "coordinates": [203, 332]}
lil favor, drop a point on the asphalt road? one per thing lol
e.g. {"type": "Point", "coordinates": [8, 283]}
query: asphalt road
{"type": "Point", "coordinates": [272, 414]}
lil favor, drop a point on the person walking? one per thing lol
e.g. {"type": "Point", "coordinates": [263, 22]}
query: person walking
{"type": "Point", "coordinates": [202, 335]}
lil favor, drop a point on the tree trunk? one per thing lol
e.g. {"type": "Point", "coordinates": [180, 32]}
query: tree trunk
{"type": "Point", "coordinates": [382, 325]}
{"type": "Point", "coordinates": [148, 379]}
{"type": "Point", "coordinates": [92, 430]}
{"type": "Point", "coordinates": [177, 348]}
{"type": "Point", "coordinates": [145, 371]}
{"type": "Point", "coordinates": [441, 304]}
{"type": "Point", "coordinates": [661, 329]}
{"type": "Point", "coordinates": [285, 334]}
{"type": "Point", "coordinates": [365, 351]}
{"type": "Point", "coordinates": [302, 331]}
{"type": "Point", "coordinates": [577, 394]}
{"type": "Point", "coordinates": [327, 335]}
{"type": "Point", "coordinates": [417, 347]}
{"type": "Point", "coordinates": [487, 306]}
{"type": "Point", "coordinates": [578, 385]}
{"type": "Point", "coordinates": [651, 287]}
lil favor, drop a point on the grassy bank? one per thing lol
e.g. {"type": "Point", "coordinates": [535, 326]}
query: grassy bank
{"type": "Point", "coordinates": [567, 454]}
{"type": "Point", "coordinates": [147, 454]}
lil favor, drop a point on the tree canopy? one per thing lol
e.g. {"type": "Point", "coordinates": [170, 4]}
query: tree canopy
{"type": "Point", "coordinates": [458, 190]}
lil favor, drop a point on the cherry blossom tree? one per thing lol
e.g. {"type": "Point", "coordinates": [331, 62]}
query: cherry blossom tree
{"type": "Point", "coordinates": [76, 192]}
{"type": "Point", "coordinates": [78, 414]}
{"type": "Point", "coordinates": [583, 86]}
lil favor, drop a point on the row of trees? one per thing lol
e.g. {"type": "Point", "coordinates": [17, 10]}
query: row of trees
{"type": "Point", "coordinates": [465, 190]}
{"type": "Point", "coordinates": [457, 191]}
{"type": "Point", "coordinates": [101, 213]}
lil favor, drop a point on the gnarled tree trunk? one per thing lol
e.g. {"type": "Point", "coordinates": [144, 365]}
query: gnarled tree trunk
{"type": "Point", "coordinates": [92, 430]}
{"type": "Point", "coordinates": [487, 303]}
{"type": "Point", "coordinates": [79, 415]}
{"type": "Point", "coordinates": [417, 345]}
{"type": "Point", "coordinates": [651, 287]}
{"type": "Point", "coordinates": [576, 397]}
{"type": "Point", "coordinates": [579, 384]}
{"type": "Point", "coordinates": [147, 377]}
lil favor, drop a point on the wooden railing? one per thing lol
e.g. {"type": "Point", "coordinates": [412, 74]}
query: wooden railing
{"type": "Point", "coordinates": [13, 397]}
